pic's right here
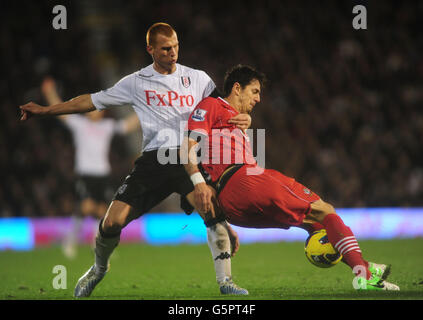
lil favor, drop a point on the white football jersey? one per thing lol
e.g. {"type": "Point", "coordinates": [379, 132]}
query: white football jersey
{"type": "Point", "coordinates": [92, 140]}
{"type": "Point", "coordinates": [163, 103]}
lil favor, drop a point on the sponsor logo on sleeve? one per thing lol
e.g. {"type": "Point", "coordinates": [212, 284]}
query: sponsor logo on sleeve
{"type": "Point", "coordinates": [199, 115]}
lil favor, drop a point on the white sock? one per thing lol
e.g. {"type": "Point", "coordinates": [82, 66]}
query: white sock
{"type": "Point", "coordinates": [220, 246]}
{"type": "Point", "coordinates": [104, 247]}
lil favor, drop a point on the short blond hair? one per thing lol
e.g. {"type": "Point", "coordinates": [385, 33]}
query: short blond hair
{"type": "Point", "coordinates": [158, 28]}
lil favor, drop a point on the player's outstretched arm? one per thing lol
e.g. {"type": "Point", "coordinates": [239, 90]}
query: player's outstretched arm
{"type": "Point", "coordinates": [80, 104]}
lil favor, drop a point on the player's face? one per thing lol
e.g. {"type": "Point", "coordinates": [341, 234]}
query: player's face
{"type": "Point", "coordinates": [165, 53]}
{"type": "Point", "coordinates": [250, 96]}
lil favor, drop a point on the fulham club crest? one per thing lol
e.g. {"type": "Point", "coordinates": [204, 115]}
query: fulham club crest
{"type": "Point", "coordinates": [186, 81]}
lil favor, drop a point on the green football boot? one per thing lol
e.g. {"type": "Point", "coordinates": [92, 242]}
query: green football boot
{"type": "Point", "coordinates": [381, 271]}
{"type": "Point", "coordinates": [374, 283]}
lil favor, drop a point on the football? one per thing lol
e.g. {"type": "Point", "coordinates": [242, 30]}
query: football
{"type": "Point", "coordinates": [319, 250]}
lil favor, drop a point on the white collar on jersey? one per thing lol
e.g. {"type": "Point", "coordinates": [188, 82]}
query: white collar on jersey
{"type": "Point", "coordinates": [226, 102]}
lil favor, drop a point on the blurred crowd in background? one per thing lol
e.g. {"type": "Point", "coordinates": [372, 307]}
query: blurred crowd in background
{"type": "Point", "coordinates": [342, 109]}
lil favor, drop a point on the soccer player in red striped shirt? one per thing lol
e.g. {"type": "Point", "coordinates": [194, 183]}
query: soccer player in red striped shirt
{"type": "Point", "coordinates": [252, 196]}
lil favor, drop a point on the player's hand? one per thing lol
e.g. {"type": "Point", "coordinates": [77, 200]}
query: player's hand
{"type": "Point", "coordinates": [203, 197]}
{"type": "Point", "coordinates": [31, 109]}
{"type": "Point", "coordinates": [233, 236]}
{"type": "Point", "coordinates": [242, 121]}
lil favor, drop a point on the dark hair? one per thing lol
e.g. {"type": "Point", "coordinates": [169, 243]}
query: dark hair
{"type": "Point", "coordinates": [158, 28]}
{"type": "Point", "coordinates": [242, 74]}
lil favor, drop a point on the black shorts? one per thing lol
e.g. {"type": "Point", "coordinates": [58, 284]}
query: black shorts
{"type": "Point", "coordinates": [98, 188]}
{"type": "Point", "coordinates": [150, 182]}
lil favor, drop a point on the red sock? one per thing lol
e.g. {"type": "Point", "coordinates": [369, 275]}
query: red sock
{"type": "Point", "coordinates": [342, 239]}
{"type": "Point", "coordinates": [316, 226]}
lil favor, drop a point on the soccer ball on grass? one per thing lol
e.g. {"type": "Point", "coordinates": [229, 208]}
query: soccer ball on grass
{"type": "Point", "coordinates": [319, 250]}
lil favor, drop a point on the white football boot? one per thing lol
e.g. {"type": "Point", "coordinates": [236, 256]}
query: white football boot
{"type": "Point", "coordinates": [227, 286]}
{"type": "Point", "coordinates": [87, 282]}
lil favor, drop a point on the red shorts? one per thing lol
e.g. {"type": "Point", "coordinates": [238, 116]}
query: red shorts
{"type": "Point", "coordinates": [267, 200]}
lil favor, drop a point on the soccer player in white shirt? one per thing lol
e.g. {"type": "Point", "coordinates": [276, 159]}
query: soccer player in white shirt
{"type": "Point", "coordinates": [92, 137]}
{"type": "Point", "coordinates": [163, 95]}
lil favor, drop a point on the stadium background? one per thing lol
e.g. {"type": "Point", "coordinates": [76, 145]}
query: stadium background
{"type": "Point", "coordinates": [342, 110]}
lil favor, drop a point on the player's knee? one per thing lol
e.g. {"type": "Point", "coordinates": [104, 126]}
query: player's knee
{"type": "Point", "coordinates": [117, 217]}
{"type": "Point", "coordinates": [113, 225]}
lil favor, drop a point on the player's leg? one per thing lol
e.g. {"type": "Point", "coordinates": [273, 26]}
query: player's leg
{"type": "Point", "coordinates": [71, 240]}
{"type": "Point", "coordinates": [220, 237]}
{"type": "Point", "coordinates": [340, 236]}
{"type": "Point", "coordinates": [284, 201]}
{"type": "Point", "coordinates": [380, 270]}
{"type": "Point", "coordinates": [91, 194]}
{"type": "Point", "coordinates": [343, 239]}
{"type": "Point", "coordinates": [102, 194]}
{"type": "Point", "coordinates": [118, 215]}
{"type": "Point", "coordinates": [84, 207]}
{"type": "Point", "coordinates": [142, 189]}
{"type": "Point", "coordinates": [95, 205]}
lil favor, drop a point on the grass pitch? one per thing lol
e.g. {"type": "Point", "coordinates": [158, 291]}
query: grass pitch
{"type": "Point", "coordinates": [276, 271]}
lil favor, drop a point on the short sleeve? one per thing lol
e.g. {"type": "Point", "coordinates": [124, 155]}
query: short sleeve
{"type": "Point", "coordinates": [209, 85]}
{"type": "Point", "coordinates": [202, 118]}
{"type": "Point", "coordinates": [120, 94]}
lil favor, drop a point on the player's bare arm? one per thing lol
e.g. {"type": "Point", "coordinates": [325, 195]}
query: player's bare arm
{"type": "Point", "coordinates": [202, 192]}
{"type": "Point", "coordinates": [80, 104]}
